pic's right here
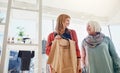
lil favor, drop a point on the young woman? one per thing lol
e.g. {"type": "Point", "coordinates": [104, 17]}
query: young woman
{"type": "Point", "coordinates": [62, 31]}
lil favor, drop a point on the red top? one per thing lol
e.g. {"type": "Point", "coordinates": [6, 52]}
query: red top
{"type": "Point", "coordinates": [73, 37]}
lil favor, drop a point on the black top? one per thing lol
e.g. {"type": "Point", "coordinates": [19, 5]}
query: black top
{"type": "Point", "coordinates": [25, 59]}
{"type": "Point", "coordinates": [65, 35]}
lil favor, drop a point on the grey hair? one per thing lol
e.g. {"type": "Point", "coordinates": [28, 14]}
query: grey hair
{"type": "Point", "coordinates": [95, 25]}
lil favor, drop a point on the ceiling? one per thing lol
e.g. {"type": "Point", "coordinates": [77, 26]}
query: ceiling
{"type": "Point", "coordinates": [103, 10]}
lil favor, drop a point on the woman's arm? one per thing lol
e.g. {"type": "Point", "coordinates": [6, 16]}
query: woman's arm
{"type": "Point", "coordinates": [74, 37]}
{"type": "Point", "coordinates": [114, 56]}
{"type": "Point", "coordinates": [49, 43]}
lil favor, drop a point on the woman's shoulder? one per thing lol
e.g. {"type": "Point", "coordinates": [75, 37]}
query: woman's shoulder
{"type": "Point", "coordinates": [107, 39]}
{"type": "Point", "coordinates": [51, 34]}
{"type": "Point", "coordinates": [71, 30]}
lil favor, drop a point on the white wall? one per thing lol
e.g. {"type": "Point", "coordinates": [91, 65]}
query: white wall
{"type": "Point", "coordinates": [115, 19]}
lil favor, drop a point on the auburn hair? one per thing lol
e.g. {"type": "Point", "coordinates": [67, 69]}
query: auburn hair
{"type": "Point", "coordinates": [59, 25]}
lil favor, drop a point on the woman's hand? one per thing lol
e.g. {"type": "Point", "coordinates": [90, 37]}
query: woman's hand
{"type": "Point", "coordinates": [58, 37]}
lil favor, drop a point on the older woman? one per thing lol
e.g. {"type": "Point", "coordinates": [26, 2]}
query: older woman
{"type": "Point", "coordinates": [98, 51]}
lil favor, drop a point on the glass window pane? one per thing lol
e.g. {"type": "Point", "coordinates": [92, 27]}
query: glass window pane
{"type": "Point", "coordinates": [115, 31]}
{"type": "Point", "coordinates": [1, 39]}
{"type": "Point", "coordinates": [3, 10]}
{"type": "Point", "coordinates": [23, 24]}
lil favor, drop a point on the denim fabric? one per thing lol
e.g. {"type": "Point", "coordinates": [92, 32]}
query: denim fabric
{"type": "Point", "coordinates": [14, 62]}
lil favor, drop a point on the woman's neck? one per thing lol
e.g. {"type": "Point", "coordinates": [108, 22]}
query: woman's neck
{"type": "Point", "coordinates": [94, 34]}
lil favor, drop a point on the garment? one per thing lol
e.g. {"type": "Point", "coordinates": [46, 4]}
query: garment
{"type": "Point", "coordinates": [101, 58]}
{"type": "Point", "coordinates": [65, 35]}
{"type": "Point", "coordinates": [62, 57]}
{"type": "Point", "coordinates": [14, 62]}
{"type": "Point", "coordinates": [73, 37]}
{"type": "Point", "coordinates": [25, 59]}
{"type": "Point", "coordinates": [93, 41]}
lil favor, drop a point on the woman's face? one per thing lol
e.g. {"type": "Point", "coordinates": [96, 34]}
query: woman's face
{"type": "Point", "coordinates": [90, 30]}
{"type": "Point", "coordinates": [67, 22]}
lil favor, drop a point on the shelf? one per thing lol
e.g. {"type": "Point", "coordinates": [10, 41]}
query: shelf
{"type": "Point", "coordinates": [27, 1]}
{"type": "Point", "coordinates": [25, 9]}
{"type": "Point", "coordinates": [22, 44]}
{"type": "Point", "coordinates": [12, 46]}
{"type": "Point", "coordinates": [25, 6]}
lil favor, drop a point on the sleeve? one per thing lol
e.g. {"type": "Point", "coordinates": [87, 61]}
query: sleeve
{"type": "Point", "coordinates": [114, 56]}
{"type": "Point", "coordinates": [49, 43]}
{"type": "Point", "coordinates": [83, 54]}
{"type": "Point", "coordinates": [76, 43]}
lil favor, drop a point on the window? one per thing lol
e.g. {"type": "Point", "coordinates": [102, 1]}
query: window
{"type": "Point", "coordinates": [115, 30]}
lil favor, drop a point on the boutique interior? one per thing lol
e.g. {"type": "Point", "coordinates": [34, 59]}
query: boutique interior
{"type": "Point", "coordinates": [26, 24]}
